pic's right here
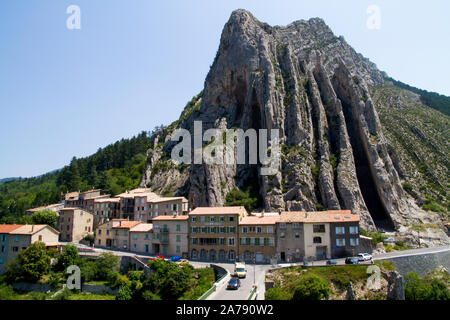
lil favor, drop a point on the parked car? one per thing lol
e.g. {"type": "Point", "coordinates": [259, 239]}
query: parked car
{"type": "Point", "coordinates": [364, 257]}
{"type": "Point", "coordinates": [389, 240]}
{"type": "Point", "coordinates": [175, 259]}
{"type": "Point", "coordinates": [233, 284]}
{"type": "Point", "coordinates": [331, 262]}
{"type": "Point", "coordinates": [182, 261]}
{"type": "Point", "coordinates": [351, 260]}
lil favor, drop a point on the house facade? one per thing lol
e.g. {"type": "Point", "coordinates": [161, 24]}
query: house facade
{"type": "Point", "coordinates": [74, 224]}
{"type": "Point", "coordinates": [141, 238]}
{"type": "Point", "coordinates": [317, 235]}
{"type": "Point", "coordinates": [15, 238]}
{"type": "Point", "coordinates": [106, 209]}
{"type": "Point", "coordinates": [257, 238]}
{"type": "Point", "coordinates": [214, 233]}
{"type": "Point", "coordinates": [171, 235]}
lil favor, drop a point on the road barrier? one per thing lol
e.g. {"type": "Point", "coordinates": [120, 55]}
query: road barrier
{"type": "Point", "coordinates": [215, 285]}
{"type": "Point", "coordinates": [253, 295]}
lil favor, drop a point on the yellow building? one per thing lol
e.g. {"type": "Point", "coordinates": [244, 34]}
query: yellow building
{"type": "Point", "coordinates": [213, 233]}
{"type": "Point", "coordinates": [257, 238]}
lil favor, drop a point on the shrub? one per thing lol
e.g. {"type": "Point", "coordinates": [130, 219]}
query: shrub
{"type": "Point", "coordinates": [68, 257]}
{"type": "Point", "coordinates": [106, 263]}
{"type": "Point", "coordinates": [277, 294]}
{"type": "Point", "coordinates": [30, 265]}
{"type": "Point", "coordinates": [311, 287]}
{"type": "Point", "coordinates": [124, 293]}
{"type": "Point", "coordinates": [148, 295]}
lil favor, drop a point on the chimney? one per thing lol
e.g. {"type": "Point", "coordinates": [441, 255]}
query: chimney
{"type": "Point", "coordinates": [279, 211]}
{"type": "Point", "coordinates": [262, 213]}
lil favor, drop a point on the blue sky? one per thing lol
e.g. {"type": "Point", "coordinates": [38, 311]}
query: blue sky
{"type": "Point", "coordinates": [134, 64]}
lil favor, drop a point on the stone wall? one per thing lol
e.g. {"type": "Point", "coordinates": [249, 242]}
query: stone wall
{"type": "Point", "coordinates": [421, 264]}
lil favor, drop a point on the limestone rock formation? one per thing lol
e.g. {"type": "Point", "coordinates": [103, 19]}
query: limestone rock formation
{"type": "Point", "coordinates": [314, 88]}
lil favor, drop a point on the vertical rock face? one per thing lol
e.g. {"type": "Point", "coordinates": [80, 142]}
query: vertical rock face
{"type": "Point", "coordinates": [313, 87]}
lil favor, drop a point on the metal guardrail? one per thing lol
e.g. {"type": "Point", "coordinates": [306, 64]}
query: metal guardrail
{"type": "Point", "coordinates": [213, 288]}
{"type": "Point", "coordinates": [253, 292]}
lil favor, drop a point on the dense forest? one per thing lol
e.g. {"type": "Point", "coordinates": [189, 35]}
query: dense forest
{"type": "Point", "coordinates": [432, 99]}
{"type": "Point", "coordinates": [114, 169]}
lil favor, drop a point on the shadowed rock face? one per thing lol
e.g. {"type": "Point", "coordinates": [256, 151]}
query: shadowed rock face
{"type": "Point", "coordinates": [313, 87]}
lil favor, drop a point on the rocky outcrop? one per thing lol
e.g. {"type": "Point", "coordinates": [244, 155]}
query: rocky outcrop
{"type": "Point", "coordinates": [314, 88]}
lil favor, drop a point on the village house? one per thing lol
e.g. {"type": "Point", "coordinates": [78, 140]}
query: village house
{"type": "Point", "coordinates": [106, 209]}
{"type": "Point", "coordinates": [84, 200]}
{"type": "Point", "coordinates": [317, 235]}
{"type": "Point", "coordinates": [213, 233]}
{"type": "Point", "coordinates": [52, 207]}
{"type": "Point", "coordinates": [74, 224]}
{"type": "Point", "coordinates": [171, 235]}
{"type": "Point", "coordinates": [121, 233]}
{"type": "Point", "coordinates": [141, 238]}
{"type": "Point", "coordinates": [15, 238]}
{"type": "Point", "coordinates": [257, 237]}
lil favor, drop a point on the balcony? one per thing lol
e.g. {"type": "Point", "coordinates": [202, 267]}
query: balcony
{"type": "Point", "coordinates": [164, 230]}
{"type": "Point", "coordinates": [164, 241]}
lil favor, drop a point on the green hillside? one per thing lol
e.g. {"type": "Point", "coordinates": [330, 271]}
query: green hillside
{"type": "Point", "coordinates": [114, 169]}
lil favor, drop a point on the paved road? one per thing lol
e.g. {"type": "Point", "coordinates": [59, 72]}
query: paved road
{"type": "Point", "coordinates": [256, 273]}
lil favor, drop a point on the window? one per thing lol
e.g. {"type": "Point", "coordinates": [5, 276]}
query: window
{"type": "Point", "coordinates": [318, 228]}
{"type": "Point", "coordinates": [193, 230]}
{"type": "Point", "coordinates": [99, 242]}
{"type": "Point", "coordinates": [178, 227]}
{"type": "Point", "coordinates": [258, 230]}
{"type": "Point", "coordinates": [317, 240]}
{"type": "Point", "coordinates": [222, 219]}
{"type": "Point", "coordinates": [244, 230]}
{"type": "Point", "coordinates": [107, 232]}
{"type": "Point", "coordinates": [222, 241]}
{"type": "Point", "coordinates": [178, 238]}
{"type": "Point", "coordinates": [99, 232]}
{"type": "Point", "coordinates": [3, 248]}
{"type": "Point", "coordinates": [296, 225]}
{"type": "Point", "coordinates": [354, 242]}
{"type": "Point", "coordinates": [248, 241]}
{"type": "Point", "coordinates": [142, 200]}
{"type": "Point", "coordinates": [16, 238]}
{"type": "Point", "coordinates": [282, 235]}
{"type": "Point", "coordinates": [202, 219]}
{"type": "Point", "coordinates": [269, 229]}
{"type": "Point", "coordinates": [353, 229]}
{"type": "Point", "coordinates": [1, 260]}
{"type": "Point", "coordinates": [256, 241]}
{"type": "Point", "coordinates": [194, 240]}
{"type": "Point", "coordinates": [231, 241]}
{"type": "Point", "coordinates": [211, 219]}
{"type": "Point", "coordinates": [222, 230]}
{"type": "Point", "coordinates": [193, 219]}
{"type": "Point", "coordinates": [340, 242]}
{"type": "Point", "coordinates": [231, 230]}
{"type": "Point", "coordinates": [15, 249]}
{"type": "Point", "coordinates": [40, 238]}
{"type": "Point", "coordinates": [3, 237]}
{"type": "Point", "coordinates": [135, 236]}
{"type": "Point", "coordinates": [178, 249]}
{"type": "Point", "coordinates": [282, 225]}
{"type": "Point", "coordinates": [203, 229]}
{"type": "Point", "coordinates": [297, 235]}
{"type": "Point", "coordinates": [340, 230]}
{"type": "Point", "coordinates": [231, 219]}
{"type": "Point", "coordinates": [271, 242]}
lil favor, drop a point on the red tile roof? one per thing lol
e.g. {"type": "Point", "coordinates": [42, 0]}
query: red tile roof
{"type": "Point", "coordinates": [259, 220]}
{"type": "Point", "coordinates": [170, 218]}
{"type": "Point", "coordinates": [319, 216]}
{"type": "Point", "coordinates": [126, 224]}
{"type": "Point", "coordinates": [217, 210]}
{"type": "Point", "coordinates": [7, 228]}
